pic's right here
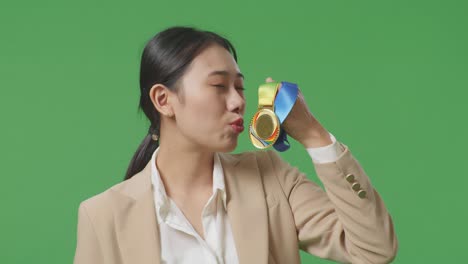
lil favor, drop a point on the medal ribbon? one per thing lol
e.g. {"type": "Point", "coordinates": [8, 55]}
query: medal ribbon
{"type": "Point", "coordinates": [284, 103]}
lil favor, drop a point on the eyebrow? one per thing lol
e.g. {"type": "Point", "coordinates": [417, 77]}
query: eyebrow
{"type": "Point", "coordinates": [226, 73]}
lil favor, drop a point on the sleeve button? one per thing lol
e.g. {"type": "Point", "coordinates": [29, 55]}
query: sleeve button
{"type": "Point", "coordinates": [349, 177]}
{"type": "Point", "coordinates": [356, 186]}
{"type": "Point", "coordinates": [362, 194]}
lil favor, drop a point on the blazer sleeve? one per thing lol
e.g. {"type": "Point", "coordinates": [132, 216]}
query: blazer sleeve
{"type": "Point", "coordinates": [88, 250]}
{"type": "Point", "coordinates": [337, 223]}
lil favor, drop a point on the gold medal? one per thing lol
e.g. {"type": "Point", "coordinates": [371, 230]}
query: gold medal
{"type": "Point", "coordinates": [265, 126]}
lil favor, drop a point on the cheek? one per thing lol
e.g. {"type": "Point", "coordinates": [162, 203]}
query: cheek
{"type": "Point", "coordinates": [204, 114]}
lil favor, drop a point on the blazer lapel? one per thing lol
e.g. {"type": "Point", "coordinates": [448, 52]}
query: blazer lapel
{"type": "Point", "coordinates": [137, 229]}
{"type": "Point", "coordinates": [135, 220]}
{"type": "Point", "coordinates": [246, 207]}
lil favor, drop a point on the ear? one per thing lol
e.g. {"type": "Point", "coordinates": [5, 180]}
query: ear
{"type": "Point", "coordinates": [160, 95]}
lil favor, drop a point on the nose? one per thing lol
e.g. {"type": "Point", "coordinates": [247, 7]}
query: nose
{"type": "Point", "coordinates": [236, 101]}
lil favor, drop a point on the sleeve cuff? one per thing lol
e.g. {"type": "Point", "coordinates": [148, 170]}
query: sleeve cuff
{"type": "Point", "coordinates": [329, 153]}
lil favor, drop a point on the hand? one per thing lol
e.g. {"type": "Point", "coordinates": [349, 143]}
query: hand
{"type": "Point", "coordinates": [301, 125]}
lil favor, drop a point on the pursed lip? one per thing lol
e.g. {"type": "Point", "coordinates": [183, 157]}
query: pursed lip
{"type": "Point", "coordinates": [238, 122]}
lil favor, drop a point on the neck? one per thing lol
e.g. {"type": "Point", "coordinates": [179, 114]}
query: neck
{"type": "Point", "coordinates": [184, 169]}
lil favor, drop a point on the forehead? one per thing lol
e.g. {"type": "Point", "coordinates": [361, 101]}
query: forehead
{"type": "Point", "coordinates": [214, 58]}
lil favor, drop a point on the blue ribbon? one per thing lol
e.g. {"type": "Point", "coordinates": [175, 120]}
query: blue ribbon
{"type": "Point", "coordinates": [284, 102]}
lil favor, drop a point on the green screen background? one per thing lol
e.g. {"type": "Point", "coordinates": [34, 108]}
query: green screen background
{"type": "Point", "coordinates": [387, 78]}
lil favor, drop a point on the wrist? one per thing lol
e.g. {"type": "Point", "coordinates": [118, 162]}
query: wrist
{"type": "Point", "coordinates": [317, 139]}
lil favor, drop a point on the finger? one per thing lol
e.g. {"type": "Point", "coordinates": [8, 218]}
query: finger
{"type": "Point", "coordinates": [269, 79]}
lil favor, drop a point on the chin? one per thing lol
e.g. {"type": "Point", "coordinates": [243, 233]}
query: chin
{"type": "Point", "coordinates": [227, 148]}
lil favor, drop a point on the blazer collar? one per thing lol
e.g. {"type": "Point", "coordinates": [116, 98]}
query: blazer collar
{"type": "Point", "coordinates": [137, 230]}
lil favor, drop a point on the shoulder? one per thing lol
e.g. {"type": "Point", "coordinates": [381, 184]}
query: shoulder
{"type": "Point", "coordinates": [267, 158]}
{"type": "Point", "coordinates": [129, 189]}
{"type": "Point", "coordinates": [98, 202]}
{"type": "Point", "coordinates": [267, 155]}
{"type": "Point", "coordinates": [277, 175]}
{"type": "Point", "coordinates": [268, 162]}
{"type": "Point", "coordinates": [100, 209]}
{"type": "Point", "coordinates": [102, 203]}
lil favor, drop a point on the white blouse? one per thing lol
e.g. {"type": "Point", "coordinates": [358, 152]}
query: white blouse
{"type": "Point", "coordinates": [180, 243]}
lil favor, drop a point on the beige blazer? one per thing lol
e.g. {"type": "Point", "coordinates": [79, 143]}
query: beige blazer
{"type": "Point", "coordinates": [274, 211]}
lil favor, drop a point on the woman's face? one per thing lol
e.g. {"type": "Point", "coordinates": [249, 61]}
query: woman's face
{"type": "Point", "coordinates": [212, 99]}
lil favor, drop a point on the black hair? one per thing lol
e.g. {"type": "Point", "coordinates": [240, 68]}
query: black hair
{"type": "Point", "coordinates": [164, 60]}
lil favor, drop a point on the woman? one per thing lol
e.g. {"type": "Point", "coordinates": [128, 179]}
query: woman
{"type": "Point", "coordinates": [185, 199]}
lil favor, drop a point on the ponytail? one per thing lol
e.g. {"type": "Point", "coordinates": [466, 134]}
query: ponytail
{"type": "Point", "coordinates": [143, 154]}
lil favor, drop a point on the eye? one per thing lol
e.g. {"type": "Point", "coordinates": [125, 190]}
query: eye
{"type": "Point", "coordinates": [222, 86]}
